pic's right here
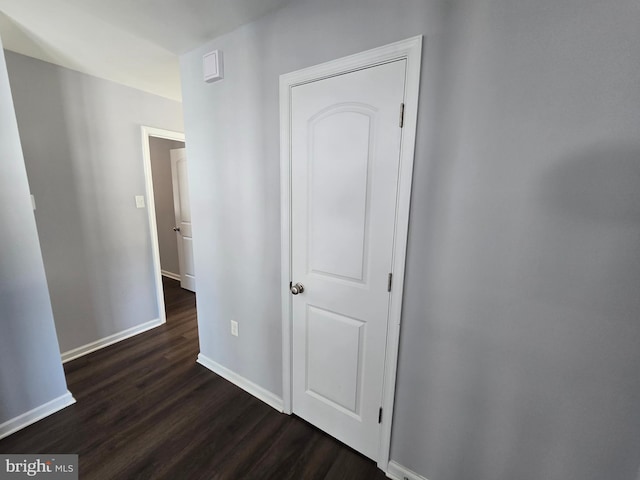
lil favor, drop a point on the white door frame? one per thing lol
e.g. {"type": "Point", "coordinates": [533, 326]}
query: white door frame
{"type": "Point", "coordinates": [151, 207]}
{"type": "Point", "coordinates": [410, 50]}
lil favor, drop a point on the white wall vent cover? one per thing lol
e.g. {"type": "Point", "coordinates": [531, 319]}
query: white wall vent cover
{"type": "Point", "coordinates": [212, 66]}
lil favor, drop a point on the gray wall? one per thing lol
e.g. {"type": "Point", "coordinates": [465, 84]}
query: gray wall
{"type": "Point", "coordinates": [30, 368]}
{"type": "Point", "coordinates": [520, 355]}
{"type": "Point", "coordinates": [234, 163]}
{"type": "Point", "coordinates": [519, 352]}
{"type": "Point", "coordinates": [82, 146]}
{"type": "Point", "coordinates": [163, 196]}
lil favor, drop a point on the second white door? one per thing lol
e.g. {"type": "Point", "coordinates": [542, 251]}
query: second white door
{"type": "Point", "coordinates": [345, 153]}
{"type": "Point", "coordinates": [182, 208]}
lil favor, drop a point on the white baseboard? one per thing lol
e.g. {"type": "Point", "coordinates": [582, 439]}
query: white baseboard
{"type": "Point", "coordinates": [175, 276]}
{"type": "Point", "coordinates": [110, 340]}
{"type": "Point", "coordinates": [247, 385]}
{"type": "Point", "coordinates": [38, 413]}
{"type": "Point", "coordinates": [400, 472]}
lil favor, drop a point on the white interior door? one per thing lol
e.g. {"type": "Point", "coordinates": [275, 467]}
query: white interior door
{"type": "Point", "coordinates": [182, 207]}
{"type": "Point", "coordinates": [345, 151]}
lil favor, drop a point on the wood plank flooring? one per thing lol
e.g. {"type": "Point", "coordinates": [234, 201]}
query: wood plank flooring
{"type": "Point", "coordinates": [146, 410]}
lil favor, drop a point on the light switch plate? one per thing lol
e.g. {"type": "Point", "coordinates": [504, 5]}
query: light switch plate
{"type": "Point", "coordinates": [139, 201]}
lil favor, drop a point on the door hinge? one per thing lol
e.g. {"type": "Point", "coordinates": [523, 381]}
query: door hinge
{"type": "Point", "coordinates": [401, 115]}
{"type": "Point", "coordinates": [380, 415]}
{"type": "Point", "coordinates": [389, 280]}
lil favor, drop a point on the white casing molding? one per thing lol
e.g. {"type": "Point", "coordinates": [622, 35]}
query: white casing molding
{"type": "Point", "coordinates": [411, 51]}
{"type": "Point", "coordinates": [147, 132]}
{"type": "Point", "coordinates": [38, 413]}
{"type": "Point", "coordinates": [110, 340]}
{"type": "Point", "coordinates": [257, 391]}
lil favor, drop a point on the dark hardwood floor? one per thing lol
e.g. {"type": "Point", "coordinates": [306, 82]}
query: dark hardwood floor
{"type": "Point", "coordinates": [146, 410]}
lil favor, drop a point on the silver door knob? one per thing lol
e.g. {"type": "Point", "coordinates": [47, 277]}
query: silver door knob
{"type": "Point", "coordinates": [176, 229]}
{"type": "Point", "coordinates": [297, 288]}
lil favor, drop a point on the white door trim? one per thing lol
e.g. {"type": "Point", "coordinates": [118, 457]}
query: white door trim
{"type": "Point", "coordinates": [151, 207]}
{"type": "Point", "coordinates": [411, 51]}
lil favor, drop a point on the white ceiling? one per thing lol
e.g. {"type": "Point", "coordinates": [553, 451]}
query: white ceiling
{"type": "Point", "coordinates": [133, 42]}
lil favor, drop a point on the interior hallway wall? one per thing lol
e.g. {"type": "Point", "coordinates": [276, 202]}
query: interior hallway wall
{"type": "Point", "coordinates": [519, 354]}
{"type": "Point", "coordinates": [31, 372]}
{"type": "Point", "coordinates": [83, 152]}
{"type": "Point", "coordinates": [234, 167]}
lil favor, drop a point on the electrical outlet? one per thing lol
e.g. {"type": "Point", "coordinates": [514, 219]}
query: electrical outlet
{"type": "Point", "coordinates": [234, 328]}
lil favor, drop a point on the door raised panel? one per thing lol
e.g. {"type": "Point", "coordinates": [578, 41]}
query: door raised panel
{"type": "Point", "coordinates": [334, 358]}
{"type": "Point", "coordinates": [185, 202]}
{"type": "Point", "coordinates": [189, 268]}
{"type": "Point", "coordinates": [339, 176]}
